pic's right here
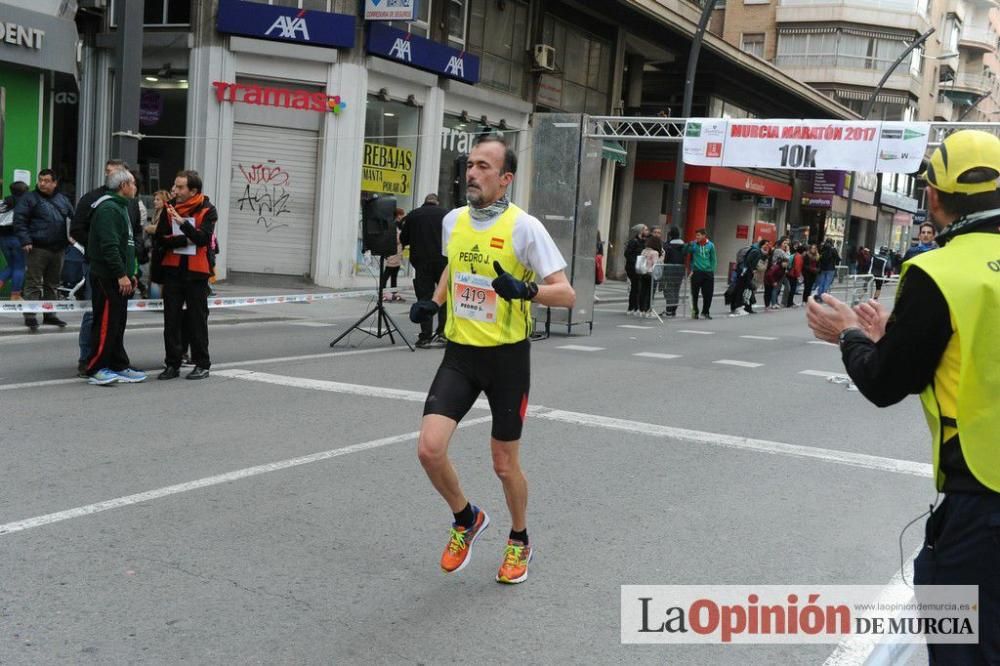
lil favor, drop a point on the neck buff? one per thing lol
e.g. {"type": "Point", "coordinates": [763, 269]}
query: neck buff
{"type": "Point", "coordinates": [491, 211]}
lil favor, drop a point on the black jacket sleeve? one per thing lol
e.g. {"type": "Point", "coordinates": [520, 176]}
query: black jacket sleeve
{"type": "Point", "coordinates": [79, 227]}
{"type": "Point", "coordinates": [903, 362]}
{"type": "Point", "coordinates": [165, 237]}
{"type": "Point", "coordinates": [201, 236]}
{"type": "Point", "coordinates": [22, 213]}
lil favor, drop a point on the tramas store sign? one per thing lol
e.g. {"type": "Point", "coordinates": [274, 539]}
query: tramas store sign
{"type": "Point", "coordinates": [286, 98]}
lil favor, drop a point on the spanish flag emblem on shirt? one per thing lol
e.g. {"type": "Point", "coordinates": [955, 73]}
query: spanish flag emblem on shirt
{"type": "Point", "coordinates": [496, 243]}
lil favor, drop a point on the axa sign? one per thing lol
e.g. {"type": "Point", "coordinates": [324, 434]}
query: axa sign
{"type": "Point", "coordinates": [285, 24]}
{"type": "Point", "coordinates": [401, 50]}
{"type": "Point", "coordinates": [289, 27]}
{"type": "Point", "coordinates": [393, 44]}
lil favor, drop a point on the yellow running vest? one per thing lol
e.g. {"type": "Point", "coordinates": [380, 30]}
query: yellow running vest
{"type": "Point", "coordinates": [476, 315]}
{"type": "Point", "coordinates": [966, 386]}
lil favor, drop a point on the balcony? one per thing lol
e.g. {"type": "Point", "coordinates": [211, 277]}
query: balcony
{"type": "Point", "coordinates": [901, 14]}
{"type": "Point", "coordinates": [966, 88]}
{"type": "Point", "coordinates": [844, 70]}
{"type": "Point", "coordinates": [944, 109]}
{"type": "Point", "coordinates": [980, 39]}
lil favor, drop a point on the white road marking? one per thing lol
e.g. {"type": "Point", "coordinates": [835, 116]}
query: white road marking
{"type": "Point", "coordinates": [229, 364]}
{"type": "Point", "coordinates": [576, 418]}
{"type": "Point", "coordinates": [610, 310]}
{"type": "Point", "coordinates": [657, 355]}
{"type": "Point", "coordinates": [697, 332]}
{"type": "Point", "coordinates": [758, 337]}
{"type": "Point", "coordinates": [583, 348]}
{"type": "Point", "coordinates": [822, 342]}
{"type": "Point", "coordinates": [47, 382]}
{"type": "Point", "coordinates": [642, 328]}
{"type": "Point", "coordinates": [822, 373]}
{"type": "Point", "coordinates": [118, 502]}
{"type": "Point", "coordinates": [311, 324]}
{"type": "Point", "coordinates": [739, 364]}
{"type": "Point", "coordinates": [864, 649]}
{"type": "Point", "coordinates": [594, 420]}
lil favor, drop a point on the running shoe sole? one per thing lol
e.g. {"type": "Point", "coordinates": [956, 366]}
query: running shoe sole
{"type": "Point", "coordinates": [521, 578]}
{"type": "Point", "coordinates": [468, 557]}
{"type": "Point", "coordinates": [126, 380]}
{"type": "Point", "coordinates": [94, 381]}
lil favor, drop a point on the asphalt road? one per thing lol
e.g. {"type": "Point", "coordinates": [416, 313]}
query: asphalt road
{"type": "Point", "coordinates": [224, 521]}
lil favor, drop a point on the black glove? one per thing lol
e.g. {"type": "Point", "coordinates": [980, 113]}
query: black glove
{"type": "Point", "coordinates": [509, 287]}
{"type": "Point", "coordinates": [422, 311]}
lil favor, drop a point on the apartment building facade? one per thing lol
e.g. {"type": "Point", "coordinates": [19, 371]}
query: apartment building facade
{"type": "Point", "coordinates": [843, 48]}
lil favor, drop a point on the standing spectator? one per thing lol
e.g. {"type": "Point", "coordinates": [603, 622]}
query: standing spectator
{"type": "Point", "coordinates": [673, 271]}
{"type": "Point", "coordinates": [864, 261]}
{"type": "Point", "coordinates": [113, 270]}
{"type": "Point", "coordinates": [185, 232]}
{"type": "Point", "coordinates": [782, 251]}
{"type": "Point", "coordinates": [422, 232]}
{"type": "Point", "coordinates": [828, 260]}
{"type": "Point", "coordinates": [881, 268]}
{"type": "Point", "coordinates": [651, 255]}
{"type": "Point", "coordinates": [40, 222]}
{"type": "Point", "coordinates": [925, 241]}
{"type": "Point", "coordinates": [9, 243]}
{"type": "Point", "coordinates": [742, 288]}
{"type": "Point", "coordinates": [633, 248]}
{"type": "Point", "coordinates": [390, 275]}
{"type": "Point", "coordinates": [772, 284]}
{"type": "Point", "coordinates": [79, 231]}
{"type": "Point", "coordinates": [703, 264]}
{"type": "Point", "coordinates": [810, 271]}
{"type": "Point", "coordinates": [794, 275]}
{"type": "Point", "coordinates": [160, 199]}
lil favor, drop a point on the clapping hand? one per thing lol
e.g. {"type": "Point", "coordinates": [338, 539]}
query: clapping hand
{"type": "Point", "coordinates": [872, 316]}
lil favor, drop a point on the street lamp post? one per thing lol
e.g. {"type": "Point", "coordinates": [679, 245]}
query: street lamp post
{"type": "Point", "coordinates": [692, 67]}
{"type": "Point", "coordinates": [866, 111]}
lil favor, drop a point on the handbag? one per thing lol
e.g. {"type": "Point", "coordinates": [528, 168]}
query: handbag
{"type": "Point", "coordinates": [641, 267]}
{"type": "Point", "coordinates": [7, 218]}
{"type": "Point", "coordinates": [599, 269]}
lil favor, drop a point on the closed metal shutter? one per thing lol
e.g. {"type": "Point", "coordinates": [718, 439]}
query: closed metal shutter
{"type": "Point", "coordinates": [272, 200]}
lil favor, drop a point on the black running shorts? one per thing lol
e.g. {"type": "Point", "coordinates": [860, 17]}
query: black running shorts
{"type": "Point", "coordinates": [503, 373]}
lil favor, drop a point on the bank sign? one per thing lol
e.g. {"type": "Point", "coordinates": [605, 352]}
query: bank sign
{"type": "Point", "coordinates": [387, 42]}
{"type": "Point", "coordinates": [285, 24]}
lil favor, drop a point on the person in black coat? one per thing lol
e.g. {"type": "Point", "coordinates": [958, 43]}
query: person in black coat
{"type": "Point", "coordinates": [673, 270]}
{"type": "Point", "coordinates": [421, 232]}
{"type": "Point", "coordinates": [633, 248]}
{"type": "Point", "coordinates": [40, 218]}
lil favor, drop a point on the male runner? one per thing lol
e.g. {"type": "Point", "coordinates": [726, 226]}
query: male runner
{"type": "Point", "coordinates": [495, 251]}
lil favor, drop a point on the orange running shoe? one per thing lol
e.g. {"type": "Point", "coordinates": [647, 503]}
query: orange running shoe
{"type": "Point", "coordinates": [515, 563]}
{"type": "Point", "coordinates": [456, 553]}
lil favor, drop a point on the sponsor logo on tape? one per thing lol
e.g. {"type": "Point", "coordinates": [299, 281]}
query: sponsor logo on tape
{"type": "Point", "coordinates": [155, 305]}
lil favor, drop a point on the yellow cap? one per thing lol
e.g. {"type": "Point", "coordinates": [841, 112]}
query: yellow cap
{"type": "Point", "coordinates": [960, 153]}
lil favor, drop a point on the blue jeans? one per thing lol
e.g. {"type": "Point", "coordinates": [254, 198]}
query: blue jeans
{"type": "Point", "coordinates": [14, 256]}
{"type": "Point", "coordinates": [824, 282]}
{"type": "Point", "coordinates": [88, 317]}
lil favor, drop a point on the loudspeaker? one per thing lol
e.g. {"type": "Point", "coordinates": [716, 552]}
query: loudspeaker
{"type": "Point", "coordinates": [378, 225]}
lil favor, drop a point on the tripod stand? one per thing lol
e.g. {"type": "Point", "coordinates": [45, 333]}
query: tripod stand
{"type": "Point", "coordinates": [384, 325]}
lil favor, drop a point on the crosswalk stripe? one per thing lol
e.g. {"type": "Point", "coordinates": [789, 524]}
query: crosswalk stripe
{"type": "Point", "coordinates": [758, 337]}
{"type": "Point", "coordinates": [696, 332]}
{"type": "Point", "coordinates": [583, 348]}
{"type": "Point", "coordinates": [741, 364]}
{"type": "Point", "coordinates": [657, 355]}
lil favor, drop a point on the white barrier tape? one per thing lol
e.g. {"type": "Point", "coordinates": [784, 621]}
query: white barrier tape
{"type": "Point", "coordinates": [156, 305]}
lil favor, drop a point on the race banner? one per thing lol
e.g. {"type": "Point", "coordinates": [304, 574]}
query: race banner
{"type": "Point", "coordinates": [889, 146]}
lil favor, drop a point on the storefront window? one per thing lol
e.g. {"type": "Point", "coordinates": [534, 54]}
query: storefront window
{"type": "Point", "coordinates": [834, 230]}
{"type": "Point", "coordinates": [419, 25]}
{"type": "Point", "coordinates": [163, 119]}
{"type": "Point", "coordinates": [457, 137]}
{"type": "Point", "coordinates": [390, 157]}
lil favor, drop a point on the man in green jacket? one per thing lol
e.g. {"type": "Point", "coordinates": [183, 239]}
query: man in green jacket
{"type": "Point", "coordinates": [703, 266]}
{"type": "Point", "coordinates": [113, 268]}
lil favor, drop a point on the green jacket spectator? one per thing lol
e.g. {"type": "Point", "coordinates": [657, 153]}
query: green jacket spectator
{"type": "Point", "coordinates": [111, 248]}
{"type": "Point", "coordinates": [703, 256]}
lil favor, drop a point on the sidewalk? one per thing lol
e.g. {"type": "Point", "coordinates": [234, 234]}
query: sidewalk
{"type": "Point", "coordinates": [243, 286]}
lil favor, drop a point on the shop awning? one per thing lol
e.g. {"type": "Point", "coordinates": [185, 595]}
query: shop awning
{"type": "Point", "coordinates": [614, 151]}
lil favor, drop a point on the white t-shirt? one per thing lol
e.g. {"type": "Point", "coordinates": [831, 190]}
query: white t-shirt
{"type": "Point", "coordinates": [533, 245]}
